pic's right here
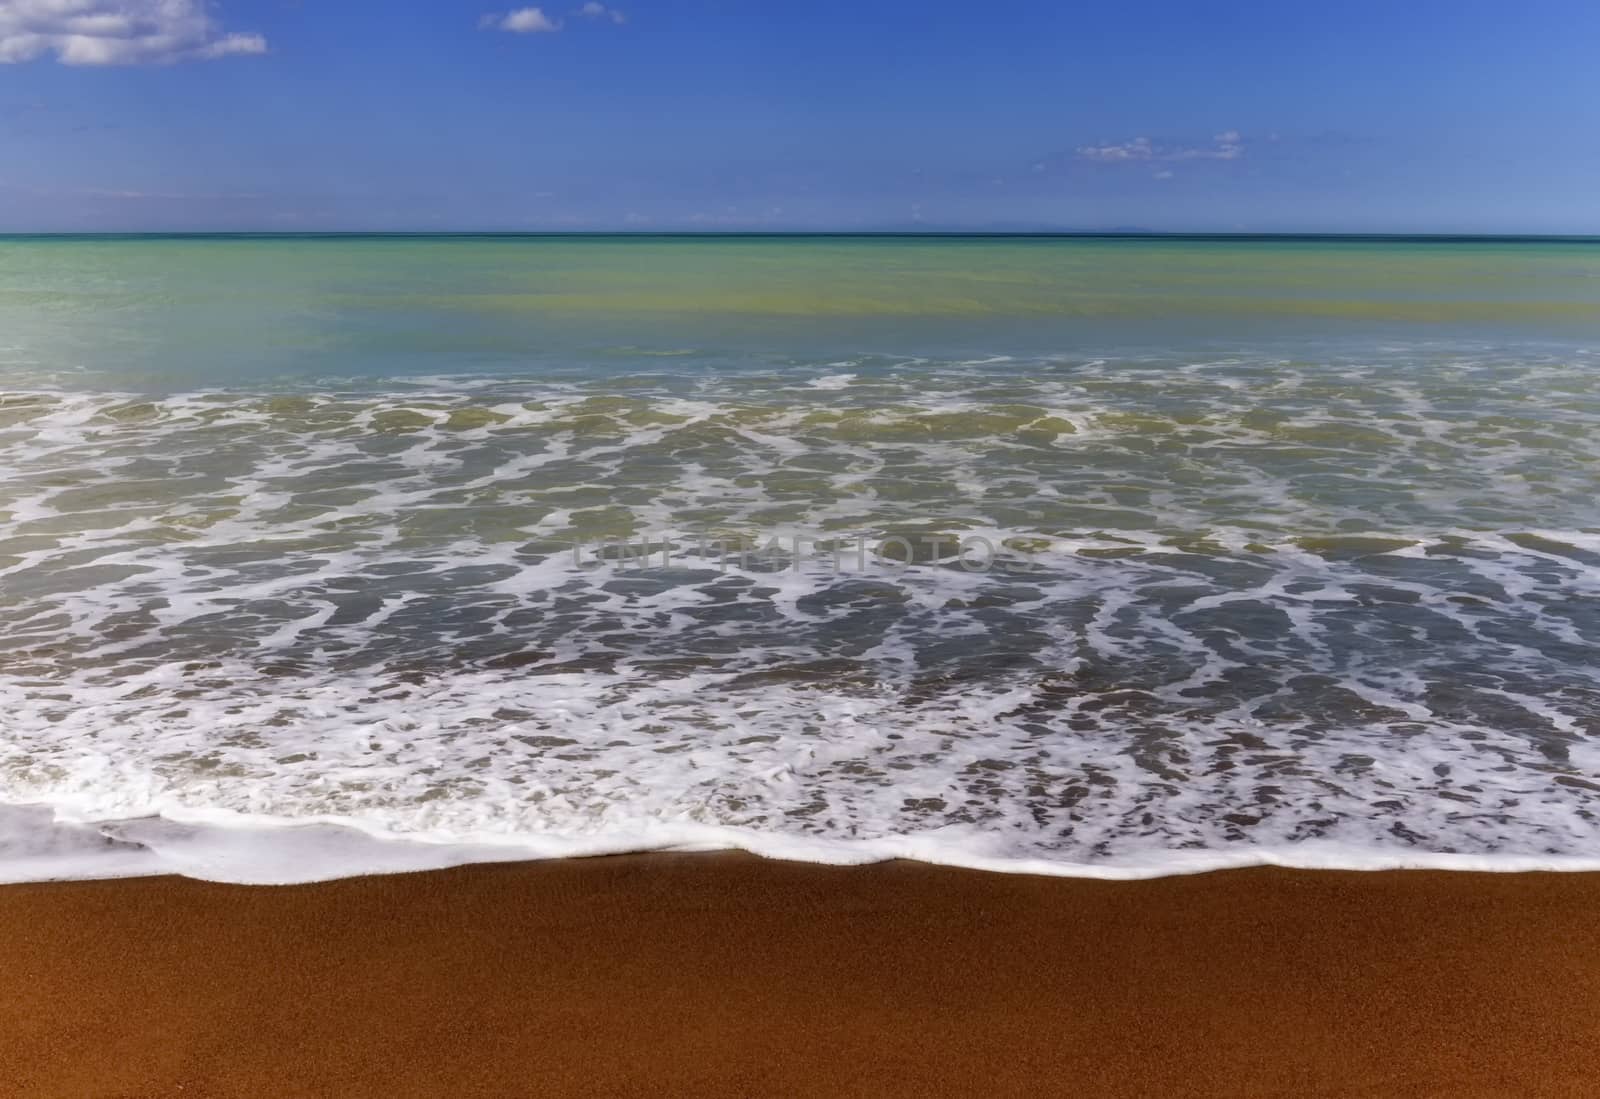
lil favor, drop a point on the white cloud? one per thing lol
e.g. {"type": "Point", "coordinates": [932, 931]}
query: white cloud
{"type": "Point", "coordinates": [1228, 145]}
{"type": "Point", "coordinates": [522, 21]}
{"type": "Point", "coordinates": [1137, 149]}
{"type": "Point", "coordinates": [536, 21]}
{"type": "Point", "coordinates": [592, 10]}
{"type": "Point", "coordinates": [116, 32]}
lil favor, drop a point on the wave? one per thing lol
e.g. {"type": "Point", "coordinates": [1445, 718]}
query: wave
{"type": "Point", "coordinates": [1225, 612]}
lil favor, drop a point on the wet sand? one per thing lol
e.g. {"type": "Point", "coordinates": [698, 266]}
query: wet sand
{"type": "Point", "coordinates": [723, 974]}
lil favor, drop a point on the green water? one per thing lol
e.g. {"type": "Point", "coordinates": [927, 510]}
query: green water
{"type": "Point", "coordinates": [184, 311]}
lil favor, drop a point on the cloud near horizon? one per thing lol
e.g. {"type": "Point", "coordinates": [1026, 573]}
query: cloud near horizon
{"type": "Point", "coordinates": [117, 32]}
{"type": "Point", "coordinates": [1228, 145]}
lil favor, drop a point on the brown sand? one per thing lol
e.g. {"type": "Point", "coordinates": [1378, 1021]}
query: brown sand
{"type": "Point", "coordinates": [728, 975]}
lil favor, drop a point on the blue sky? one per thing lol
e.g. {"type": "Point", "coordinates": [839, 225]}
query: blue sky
{"type": "Point", "coordinates": [764, 114]}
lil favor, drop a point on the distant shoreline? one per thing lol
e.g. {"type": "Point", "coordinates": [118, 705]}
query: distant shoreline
{"type": "Point", "coordinates": [892, 234]}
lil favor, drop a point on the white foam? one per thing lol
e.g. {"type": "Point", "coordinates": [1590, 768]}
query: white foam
{"type": "Point", "coordinates": [1243, 612]}
{"type": "Point", "coordinates": [832, 381]}
{"type": "Point", "coordinates": [35, 845]}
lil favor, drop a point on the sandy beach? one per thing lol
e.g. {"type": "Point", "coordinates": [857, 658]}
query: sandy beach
{"type": "Point", "coordinates": [723, 974]}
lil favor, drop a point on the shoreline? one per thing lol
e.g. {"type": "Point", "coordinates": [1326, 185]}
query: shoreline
{"type": "Point", "coordinates": [725, 974]}
{"type": "Point", "coordinates": [38, 845]}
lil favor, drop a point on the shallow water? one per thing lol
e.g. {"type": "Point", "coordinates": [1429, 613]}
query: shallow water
{"type": "Point", "coordinates": [1086, 556]}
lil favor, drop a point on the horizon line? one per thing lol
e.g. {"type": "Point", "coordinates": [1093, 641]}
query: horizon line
{"type": "Point", "coordinates": [1015, 234]}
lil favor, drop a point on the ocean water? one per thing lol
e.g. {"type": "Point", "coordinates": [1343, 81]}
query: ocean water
{"type": "Point", "coordinates": [1109, 557]}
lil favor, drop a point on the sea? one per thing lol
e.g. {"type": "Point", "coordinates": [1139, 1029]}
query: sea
{"type": "Point", "coordinates": [1100, 556]}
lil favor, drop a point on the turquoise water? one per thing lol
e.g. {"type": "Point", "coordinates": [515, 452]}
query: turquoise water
{"type": "Point", "coordinates": [1099, 556]}
{"type": "Point", "coordinates": [209, 311]}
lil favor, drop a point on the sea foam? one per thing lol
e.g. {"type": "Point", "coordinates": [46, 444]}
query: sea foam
{"type": "Point", "coordinates": [1230, 612]}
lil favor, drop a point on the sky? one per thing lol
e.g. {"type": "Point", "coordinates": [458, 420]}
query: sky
{"type": "Point", "coordinates": [686, 115]}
